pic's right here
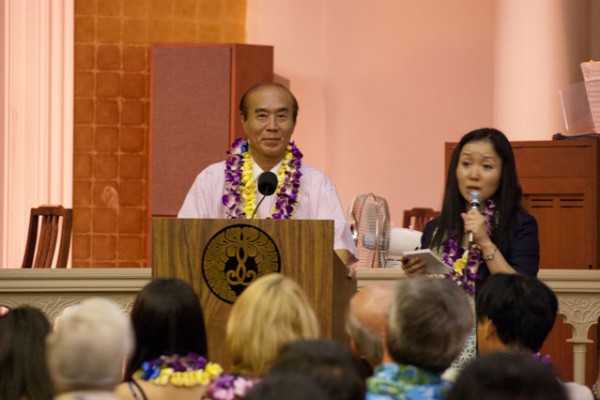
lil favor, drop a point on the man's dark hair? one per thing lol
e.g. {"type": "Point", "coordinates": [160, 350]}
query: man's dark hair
{"type": "Point", "coordinates": [522, 308]}
{"type": "Point", "coordinates": [289, 386]}
{"type": "Point", "coordinates": [244, 100]}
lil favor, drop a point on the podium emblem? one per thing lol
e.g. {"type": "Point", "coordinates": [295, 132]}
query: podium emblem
{"type": "Point", "coordinates": [235, 256]}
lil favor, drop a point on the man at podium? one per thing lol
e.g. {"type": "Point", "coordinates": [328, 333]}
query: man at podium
{"type": "Point", "coordinates": [229, 189]}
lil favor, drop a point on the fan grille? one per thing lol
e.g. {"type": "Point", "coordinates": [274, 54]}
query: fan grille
{"type": "Point", "coordinates": [369, 219]}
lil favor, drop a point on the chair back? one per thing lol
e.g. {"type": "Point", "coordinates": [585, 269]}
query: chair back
{"type": "Point", "coordinates": [40, 248]}
{"type": "Point", "coordinates": [416, 218]}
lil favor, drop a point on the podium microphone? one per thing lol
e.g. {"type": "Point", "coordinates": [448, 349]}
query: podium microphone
{"type": "Point", "coordinates": [267, 184]}
{"type": "Point", "coordinates": [475, 199]}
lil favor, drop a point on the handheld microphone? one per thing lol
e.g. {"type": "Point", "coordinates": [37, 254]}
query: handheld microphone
{"type": "Point", "coordinates": [475, 199]}
{"type": "Point", "coordinates": [267, 184]}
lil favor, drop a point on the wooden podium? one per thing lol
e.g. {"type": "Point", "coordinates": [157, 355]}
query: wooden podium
{"type": "Point", "coordinates": [210, 254]}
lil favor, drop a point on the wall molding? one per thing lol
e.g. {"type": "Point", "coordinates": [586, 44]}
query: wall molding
{"type": "Point", "coordinates": [52, 290]}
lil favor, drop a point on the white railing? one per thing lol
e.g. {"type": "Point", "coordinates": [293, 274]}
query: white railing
{"type": "Point", "coordinates": [52, 290]}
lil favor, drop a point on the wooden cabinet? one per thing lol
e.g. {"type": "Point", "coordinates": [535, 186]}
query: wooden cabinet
{"type": "Point", "coordinates": [195, 90]}
{"type": "Point", "coordinates": [560, 187]}
{"type": "Point", "coordinates": [560, 182]}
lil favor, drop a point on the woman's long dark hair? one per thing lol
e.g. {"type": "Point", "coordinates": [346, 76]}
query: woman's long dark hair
{"type": "Point", "coordinates": [24, 373]}
{"type": "Point", "coordinates": [507, 197]}
{"type": "Point", "coordinates": [167, 319]}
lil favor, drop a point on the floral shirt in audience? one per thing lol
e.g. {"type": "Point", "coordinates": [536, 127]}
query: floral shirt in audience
{"type": "Point", "coordinates": [405, 382]}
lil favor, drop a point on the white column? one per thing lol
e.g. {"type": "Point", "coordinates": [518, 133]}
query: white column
{"type": "Point", "coordinates": [579, 355]}
{"type": "Point", "coordinates": [581, 315]}
{"type": "Point", "coordinates": [538, 47]}
{"type": "Point", "coordinates": [36, 131]}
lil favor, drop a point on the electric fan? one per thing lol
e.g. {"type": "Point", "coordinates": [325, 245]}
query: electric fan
{"type": "Point", "coordinates": [369, 219]}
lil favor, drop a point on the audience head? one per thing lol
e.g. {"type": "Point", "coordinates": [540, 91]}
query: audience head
{"type": "Point", "coordinates": [287, 386]}
{"type": "Point", "coordinates": [429, 322]}
{"type": "Point", "coordinates": [507, 376]}
{"type": "Point", "coordinates": [514, 312]}
{"type": "Point", "coordinates": [270, 313]}
{"type": "Point", "coordinates": [89, 346]}
{"type": "Point", "coordinates": [367, 321]}
{"type": "Point", "coordinates": [329, 363]}
{"type": "Point", "coordinates": [167, 319]}
{"type": "Point", "coordinates": [24, 373]}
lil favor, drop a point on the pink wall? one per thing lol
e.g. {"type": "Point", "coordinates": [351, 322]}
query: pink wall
{"type": "Point", "coordinates": [382, 85]}
{"type": "Point", "coordinates": [2, 123]}
{"type": "Point", "coordinates": [539, 45]}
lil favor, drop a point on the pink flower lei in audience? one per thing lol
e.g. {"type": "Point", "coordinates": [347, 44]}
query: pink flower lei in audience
{"type": "Point", "coordinates": [465, 264]}
{"type": "Point", "coordinates": [545, 358]}
{"type": "Point", "coordinates": [189, 370]}
{"type": "Point", "coordinates": [230, 387]}
{"type": "Point", "coordinates": [239, 199]}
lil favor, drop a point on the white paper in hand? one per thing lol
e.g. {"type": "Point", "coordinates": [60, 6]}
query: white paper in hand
{"type": "Point", "coordinates": [434, 264]}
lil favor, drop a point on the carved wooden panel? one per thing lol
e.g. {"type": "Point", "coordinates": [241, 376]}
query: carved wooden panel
{"type": "Point", "coordinates": [563, 220]}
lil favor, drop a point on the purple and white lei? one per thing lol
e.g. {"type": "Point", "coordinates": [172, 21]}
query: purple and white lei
{"type": "Point", "coordinates": [239, 204]}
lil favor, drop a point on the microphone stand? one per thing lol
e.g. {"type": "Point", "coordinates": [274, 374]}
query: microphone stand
{"type": "Point", "coordinates": [267, 184]}
{"type": "Point", "coordinates": [258, 205]}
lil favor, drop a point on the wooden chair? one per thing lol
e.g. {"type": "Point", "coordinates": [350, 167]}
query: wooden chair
{"type": "Point", "coordinates": [416, 218]}
{"type": "Point", "coordinates": [55, 220]}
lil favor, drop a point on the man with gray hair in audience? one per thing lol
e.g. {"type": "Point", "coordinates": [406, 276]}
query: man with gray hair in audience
{"type": "Point", "coordinates": [367, 320]}
{"type": "Point", "coordinates": [87, 350]}
{"type": "Point", "coordinates": [428, 324]}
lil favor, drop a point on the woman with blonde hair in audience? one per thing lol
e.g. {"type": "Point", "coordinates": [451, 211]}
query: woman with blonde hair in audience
{"type": "Point", "coordinates": [170, 358]}
{"type": "Point", "coordinates": [272, 312]}
{"type": "Point", "coordinates": [24, 374]}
